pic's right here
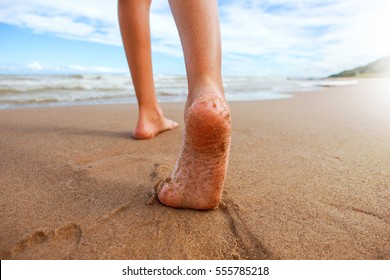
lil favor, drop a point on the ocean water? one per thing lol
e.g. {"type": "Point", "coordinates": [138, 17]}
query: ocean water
{"type": "Point", "coordinates": [69, 90]}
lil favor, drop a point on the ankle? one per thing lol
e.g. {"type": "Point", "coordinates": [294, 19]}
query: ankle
{"type": "Point", "coordinates": [200, 82]}
{"type": "Point", "coordinates": [151, 112]}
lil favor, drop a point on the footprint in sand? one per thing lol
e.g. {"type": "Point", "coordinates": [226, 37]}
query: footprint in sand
{"type": "Point", "coordinates": [53, 244]}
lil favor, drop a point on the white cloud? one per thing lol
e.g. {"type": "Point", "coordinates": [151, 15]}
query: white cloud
{"type": "Point", "coordinates": [307, 37]}
{"type": "Point", "coordinates": [36, 67]}
{"type": "Point", "coordinates": [92, 69]}
{"type": "Point", "coordinates": [288, 37]}
{"type": "Point", "coordinates": [88, 20]}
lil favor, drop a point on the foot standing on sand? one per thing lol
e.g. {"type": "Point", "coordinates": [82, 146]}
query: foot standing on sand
{"type": "Point", "coordinates": [198, 177]}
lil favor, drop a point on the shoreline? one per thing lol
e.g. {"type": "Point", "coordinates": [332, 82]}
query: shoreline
{"type": "Point", "coordinates": [50, 91]}
{"type": "Point", "coordinates": [317, 85]}
{"type": "Point", "coordinates": [308, 178]}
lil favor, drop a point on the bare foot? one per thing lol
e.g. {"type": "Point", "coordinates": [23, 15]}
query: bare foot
{"type": "Point", "coordinates": [198, 177]}
{"type": "Point", "coordinates": [149, 126]}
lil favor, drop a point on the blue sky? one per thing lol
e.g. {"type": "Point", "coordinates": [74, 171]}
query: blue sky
{"type": "Point", "coordinates": [296, 38]}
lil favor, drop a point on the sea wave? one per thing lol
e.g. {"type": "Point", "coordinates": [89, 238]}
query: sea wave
{"type": "Point", "coordinates": [49, 90]}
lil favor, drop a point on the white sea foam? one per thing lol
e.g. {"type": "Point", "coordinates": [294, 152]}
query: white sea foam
{"type": "Point", "coordinates": [53, 90]}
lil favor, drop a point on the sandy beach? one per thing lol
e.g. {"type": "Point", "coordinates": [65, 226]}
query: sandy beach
{"type": "Point", "coordinates": [308, 178]}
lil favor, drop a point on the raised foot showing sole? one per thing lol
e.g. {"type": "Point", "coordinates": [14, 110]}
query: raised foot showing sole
{"type": "Point", "coordinates": [198, 177]}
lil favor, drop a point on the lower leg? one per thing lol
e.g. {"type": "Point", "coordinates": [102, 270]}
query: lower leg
{"type": "Point", "coordinates": [198, 25]}
{"type": "Point", "coordinates": [199, 174]}
{"type": "Point", "coordinates": [134, 24]}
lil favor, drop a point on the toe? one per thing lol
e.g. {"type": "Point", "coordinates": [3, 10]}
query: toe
{"type": "Point", "coordinates": [174, 125]}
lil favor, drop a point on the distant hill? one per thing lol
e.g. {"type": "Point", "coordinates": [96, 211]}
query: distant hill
{"type": "Point", "coordinates": [379, 67]}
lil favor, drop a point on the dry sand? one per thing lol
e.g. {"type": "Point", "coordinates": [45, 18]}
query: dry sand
{"type": "Point", "coordinates": [309, 178]}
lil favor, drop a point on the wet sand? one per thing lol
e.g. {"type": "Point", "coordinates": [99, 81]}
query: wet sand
{"type": "Point", "coordinates": [308, 178]}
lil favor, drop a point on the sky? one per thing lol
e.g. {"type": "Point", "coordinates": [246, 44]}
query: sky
{"type": "Point", "coordinates": [284, 38]}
